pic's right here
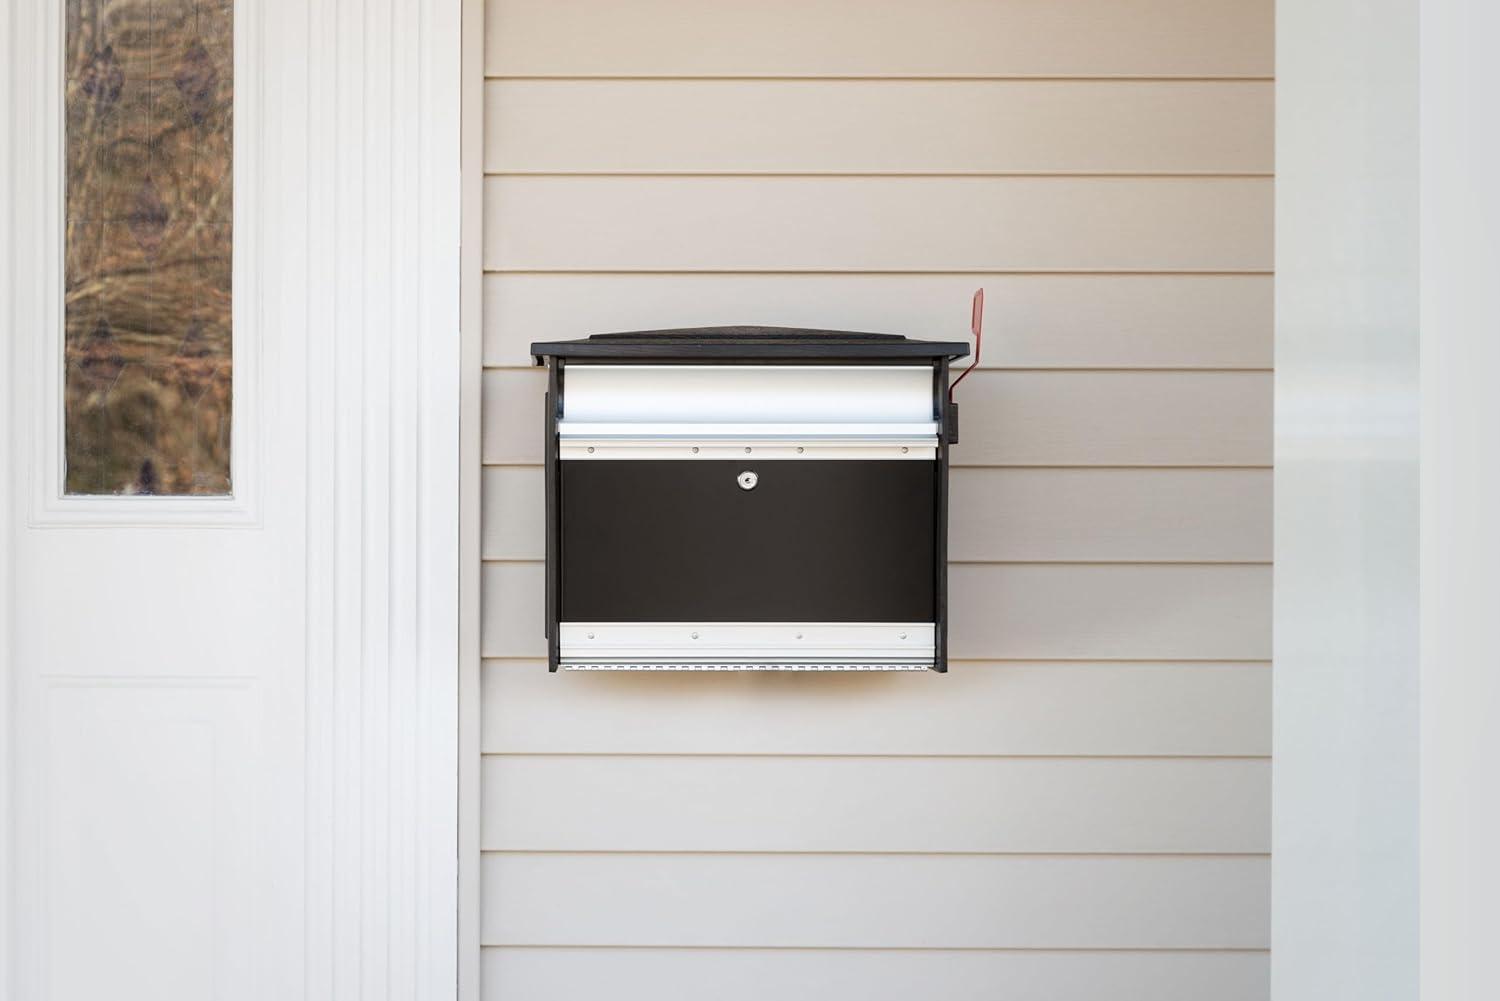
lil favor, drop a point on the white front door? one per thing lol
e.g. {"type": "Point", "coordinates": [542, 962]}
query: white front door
{"type": "Point", "coordinates": [230, 724]}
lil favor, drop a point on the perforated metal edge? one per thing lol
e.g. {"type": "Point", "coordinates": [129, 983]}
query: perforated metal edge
{"type": "Point", "coordinates": [690, 448]}
{"type": "Point", "coordinates": [738, 666]}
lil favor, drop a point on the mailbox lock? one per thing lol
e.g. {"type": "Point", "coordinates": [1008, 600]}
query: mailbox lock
{"type": "Point", "coordinates": [747, 480]}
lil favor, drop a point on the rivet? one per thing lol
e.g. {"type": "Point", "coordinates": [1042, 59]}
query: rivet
{"type": "Point", "coordinates": [799, 449]}
{"type": "Point", "coordinates": [591, 449]}
{"type": "Point", "coordinates": [904, 450]}
{"type": "Point", "coordinates": [695, 636]}
{"type": "Point", "coordinates": [591, 635]}
{"type": "Point", "coordinates": [799, 636]}
{"type": "Point", "coordinates": [747, 449]}
{"type": "Point", "coordinates": [903, 636]}
{"type": "Point", "coordinates": [695, 449]}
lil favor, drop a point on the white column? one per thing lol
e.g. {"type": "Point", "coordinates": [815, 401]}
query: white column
{"type": "Point", "coordinates": [1460, 815]}
{"type": "Point", "coordinates": [382, 204]}
{"type": "Point", "coordinates": [1344, 894]}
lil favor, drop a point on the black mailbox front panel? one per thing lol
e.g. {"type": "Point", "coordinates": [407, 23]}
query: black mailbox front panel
{"type": "Point", "coordinates": [781, 540]}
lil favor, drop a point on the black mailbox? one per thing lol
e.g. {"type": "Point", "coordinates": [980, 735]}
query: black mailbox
{"type": "Point", "coordinates": [747, 498]}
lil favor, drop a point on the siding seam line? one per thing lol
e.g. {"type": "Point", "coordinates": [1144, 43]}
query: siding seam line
{"type": "Point", "coordinates": [1236, 950]}
{"type": "Point", "coordinates": [869, 78]}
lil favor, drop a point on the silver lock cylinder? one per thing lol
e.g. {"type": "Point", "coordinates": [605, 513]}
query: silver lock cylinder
{"type": "Point", "coordinates": [747, 480]}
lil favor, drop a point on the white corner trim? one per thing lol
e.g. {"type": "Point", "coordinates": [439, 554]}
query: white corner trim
{"type": "Point", "coordinates": [471, 454]}
{"type": "Point", "coordinates": [10, 109]}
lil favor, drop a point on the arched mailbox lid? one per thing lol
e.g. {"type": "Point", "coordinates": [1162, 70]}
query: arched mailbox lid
{"type": "Point", "coordinates": [747, 343]}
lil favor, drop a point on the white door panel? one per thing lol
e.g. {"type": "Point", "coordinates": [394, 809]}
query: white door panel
{"type": "Point", "coordinates": [149, 821]}
{"type": "Point", "coordinates": [228, 735]}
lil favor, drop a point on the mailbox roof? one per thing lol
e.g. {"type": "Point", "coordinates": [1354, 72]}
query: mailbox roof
{"type": "Point", "coordinates": [747, 343]}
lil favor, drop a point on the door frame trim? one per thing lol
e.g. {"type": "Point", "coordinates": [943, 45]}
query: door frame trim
{"type": "Point", "coordinates": [470, 501]}
{"type": "Point", "coordinates": [384, 369]}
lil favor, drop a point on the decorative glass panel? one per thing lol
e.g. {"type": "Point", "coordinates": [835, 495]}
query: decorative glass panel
{"type": "Point", "coordinates": [149, 129]}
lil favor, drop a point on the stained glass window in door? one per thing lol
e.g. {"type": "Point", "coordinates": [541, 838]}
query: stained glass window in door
{"type": "Point", "coordinates": [147, 272]}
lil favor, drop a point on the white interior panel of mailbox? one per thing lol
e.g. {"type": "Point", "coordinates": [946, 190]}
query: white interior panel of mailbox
{"type": "Point", "coordinates": [749, 394]}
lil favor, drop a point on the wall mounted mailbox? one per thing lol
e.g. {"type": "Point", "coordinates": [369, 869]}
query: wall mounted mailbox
{"type": "Point", "coordinates": [747, 498]}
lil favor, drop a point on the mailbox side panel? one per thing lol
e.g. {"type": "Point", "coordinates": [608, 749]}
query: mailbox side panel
{"type": "Point", "coordinates": [947, 416]}
{"type": "Point", "coordinates": [551, 475]}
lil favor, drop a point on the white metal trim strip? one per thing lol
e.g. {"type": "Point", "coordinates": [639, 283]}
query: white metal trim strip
{"type": "Point", "coordinates": [755, 448]}
{"type": "Point", "coordinates": [741, 666]}
{"type": "Point", "coordinates": [721, 642]}
{"type": "Point", "coordinates": [710, 430]}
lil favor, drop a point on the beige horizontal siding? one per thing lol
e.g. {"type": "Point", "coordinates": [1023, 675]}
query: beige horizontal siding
{"type": "Point", "coordinates": [822, 38]}
{"type": "Point", "coordinates": [978, 708]}
{"type": "Point", "coordinates": [877, 224]}
{"type": "Point", "coordinates": [1088, 612]}
{"type": "Point", "coordinates": [1159, 515]}
{"type": "Point", "coordinates": [514, 522]}
{"type": "Point", "coordinates": [1020, 418]}
{"type": "Point", "coordinates": [877, 804]}
{"type": "Point", "coordinates": [867, 127]}
{"type": "Point", "coordinates": [1035, 321]}
{"type": "Point", "coordinates": [1030, 611]}
{"type": "Point", "coordinates": [1078, 809]}
{"type": "Point", "coordinates": [1028, 515]}
{"type": "Point", "coordinates": [512, 601]}
{"type": "Point", "coordinates": [567, 974]}
{"type": "Point", "coordinates": [871, 901]}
